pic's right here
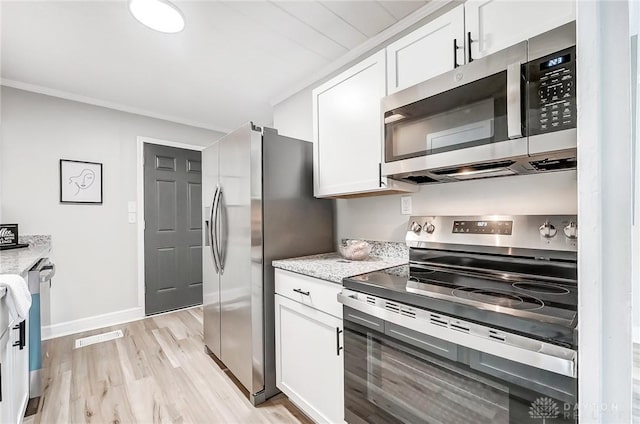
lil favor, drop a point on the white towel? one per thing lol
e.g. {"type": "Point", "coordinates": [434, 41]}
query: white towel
{"type": "Point", "coordinates": [18, 296]}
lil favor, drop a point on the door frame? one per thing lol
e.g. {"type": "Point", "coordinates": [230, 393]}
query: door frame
{"type": "Point", "coordinates": [140, 142]}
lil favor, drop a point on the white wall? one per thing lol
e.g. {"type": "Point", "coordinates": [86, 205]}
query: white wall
{"type": "Point", "coordinates": [294, 116]}
{"type": "Point", "coordinates": [94, 246]}
{"type": "Point", "coordinates": [379, 217]}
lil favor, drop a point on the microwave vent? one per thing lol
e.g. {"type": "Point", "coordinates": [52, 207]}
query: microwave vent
{"type": "Point", "coordinates": [420, 179]}
{"type": "Point", "coordinates": [554, 164]}
{"type": "Point", "coordinates": [473, 168]}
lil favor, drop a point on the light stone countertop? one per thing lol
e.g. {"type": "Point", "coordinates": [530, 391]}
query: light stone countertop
{"type": "Point", "coordinates": [333, 267]}
{"type": "Point", "coordinates": [19, 261]}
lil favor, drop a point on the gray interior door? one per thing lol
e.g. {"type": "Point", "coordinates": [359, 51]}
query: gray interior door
{"type": "Point", "coordinates": [173, 228]}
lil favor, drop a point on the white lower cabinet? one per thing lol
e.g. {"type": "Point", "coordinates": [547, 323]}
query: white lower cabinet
{"type": "Point", "coordinates": [20, 378]}
{"type": "Point", "coordinates": [5, 370]}
{"type": "Point", "coordinates": [14, 367]}
{"type": "Point", "coordinates": [309, 356]}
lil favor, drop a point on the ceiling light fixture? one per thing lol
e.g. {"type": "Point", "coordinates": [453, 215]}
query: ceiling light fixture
{"type": "Point", "coordinates": [157, 14]}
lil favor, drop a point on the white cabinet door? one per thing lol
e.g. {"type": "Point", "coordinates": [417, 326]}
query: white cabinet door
{"type": "Point", "coordinates": [6, 403]}
{"type": "Point", "coordinates": [497, 24]}
{"type": "Point", "coordinates": [347, 130]}
{"type": "Point", "coordinates": [309, 359]}
{"type": "Point", "coordinates": [20, 380]}
{"type": "Point", "coordinates": [426, 52]}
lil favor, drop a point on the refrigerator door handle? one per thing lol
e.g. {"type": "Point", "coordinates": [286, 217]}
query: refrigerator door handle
{"type": "Point", "coordinates": [213, 232]}
{"type": "Point", "coordinates": [222, 250]}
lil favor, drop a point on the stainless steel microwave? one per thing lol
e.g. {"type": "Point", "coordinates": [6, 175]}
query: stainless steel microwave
{"type": "Point", "coordinates": [512, 112]}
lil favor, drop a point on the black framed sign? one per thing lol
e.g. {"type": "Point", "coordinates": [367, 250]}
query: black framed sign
{"type": "Point", "coordinates": [8, 235]}
{"type": "Point", "coordinates": [80, 182]}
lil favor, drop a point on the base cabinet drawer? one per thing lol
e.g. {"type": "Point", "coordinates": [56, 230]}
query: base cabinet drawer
{"type": "Point", "coordinates": [309, 359]}
{"type": "Point", "coordinates": [318, 294]}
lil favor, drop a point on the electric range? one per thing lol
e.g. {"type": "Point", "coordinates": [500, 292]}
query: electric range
{"type": "Point", "coordinates": [478, 327]}
{"type": "Point", "coordinates": [515, 273]}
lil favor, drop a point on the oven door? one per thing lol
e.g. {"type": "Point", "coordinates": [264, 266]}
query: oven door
{"type": "Point", "coordinates": [471, 114]}
{"type": "Point", "coordinates": [397, 375]}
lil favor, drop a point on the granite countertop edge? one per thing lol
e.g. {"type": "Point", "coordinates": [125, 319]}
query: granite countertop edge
{"type": "Point", "coordinates": [333, 268]}
{"type": "Point", "coordinates": [20, 261]}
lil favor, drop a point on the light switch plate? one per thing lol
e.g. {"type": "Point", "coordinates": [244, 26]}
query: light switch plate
{"type": "Point", "coordinates": [132, 217]}
{"type": "Point", "coordinates": [405, 205]}
{"type": "Point", "coordinates": [131, 206]}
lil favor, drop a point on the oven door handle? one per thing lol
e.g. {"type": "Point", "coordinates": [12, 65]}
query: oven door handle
{"type": "Point", "coordinates": [514, 101]}
{"type": "Point", "coordinates": [536, 354]}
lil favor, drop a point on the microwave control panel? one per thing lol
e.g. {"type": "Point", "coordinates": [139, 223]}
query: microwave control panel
{"type": "Point", "coordinates": [552, 92]}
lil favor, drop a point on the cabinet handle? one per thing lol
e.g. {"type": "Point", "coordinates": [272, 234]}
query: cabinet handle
{"type": "Point", "coordinates": [380, 183]}
{"type": "Point", "coordinates": [0, 382]}
{"type": "Point", "coordinates": [469, 41]}
{"type": "Point", "coordinates": [305, 293]}
{"type": "Point", "coordinates": [338, 347]}
{"type": "Point", "coordinates": [22, 327]}
{"type": "Point", "coordinates": [455, 53]}
{"type": "Point", "coordinates": [21, 343]}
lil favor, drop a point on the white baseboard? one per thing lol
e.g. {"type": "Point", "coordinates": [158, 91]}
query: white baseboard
{"type": "Point", "coordinates": [91, 323]}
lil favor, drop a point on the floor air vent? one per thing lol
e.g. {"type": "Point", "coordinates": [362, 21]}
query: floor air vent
{"type": "Point", "coordinates": [98, 338]}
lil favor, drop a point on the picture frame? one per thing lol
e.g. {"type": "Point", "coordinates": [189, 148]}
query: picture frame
{"type": "Point", "coordinates": [80, 182]}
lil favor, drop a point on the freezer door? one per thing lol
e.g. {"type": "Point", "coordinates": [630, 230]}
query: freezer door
{"type": "Point", "coordinates": [210, 274]}
{"type": "Point", "coordinates": [241, 256]}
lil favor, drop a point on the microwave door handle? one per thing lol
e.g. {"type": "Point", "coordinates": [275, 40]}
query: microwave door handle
{"type": "Point", "coordinates": [514, 101]}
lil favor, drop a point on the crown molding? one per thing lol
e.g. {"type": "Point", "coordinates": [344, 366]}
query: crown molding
{"type": "Point", "coordinates": [106, 104]}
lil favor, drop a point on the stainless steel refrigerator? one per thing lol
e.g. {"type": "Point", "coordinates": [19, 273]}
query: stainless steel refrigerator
{"type": "Point", "coordinates": [258, 204]}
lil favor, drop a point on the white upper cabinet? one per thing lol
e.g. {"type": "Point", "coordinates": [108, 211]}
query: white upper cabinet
{"type": "Point", "coordinates": [431, 50]}
{"type": "Point", "coordinates": [347, 131]}
{"type": "Point", "coordinates": [496, 24]}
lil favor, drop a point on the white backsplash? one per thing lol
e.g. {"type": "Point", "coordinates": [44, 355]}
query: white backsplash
{"type": "Point", "coordinates": [379, 217]}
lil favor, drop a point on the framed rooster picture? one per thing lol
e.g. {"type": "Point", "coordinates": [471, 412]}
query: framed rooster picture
{"type": "Point", "coordinates": [80, 182]}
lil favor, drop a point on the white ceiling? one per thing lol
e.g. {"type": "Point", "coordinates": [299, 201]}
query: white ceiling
{"type": "Point", "coordinates": [219, 72]}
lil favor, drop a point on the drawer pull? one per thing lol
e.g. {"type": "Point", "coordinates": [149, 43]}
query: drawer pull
{"type": "Point", "coordinates": [305, 293]}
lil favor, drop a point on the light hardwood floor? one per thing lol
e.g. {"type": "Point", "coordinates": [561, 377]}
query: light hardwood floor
{"type": "Point", "coordinates": [157, 373]}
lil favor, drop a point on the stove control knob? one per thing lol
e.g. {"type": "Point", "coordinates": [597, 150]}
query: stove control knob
{"type": "Point", "coordinates": [429, 228]}
{"type": "Point", "coordinates": [415, 227]}
{"type": "Point", "coordinates": [571, 231]}
{"type": "Point", "coordinates": [547, 230]}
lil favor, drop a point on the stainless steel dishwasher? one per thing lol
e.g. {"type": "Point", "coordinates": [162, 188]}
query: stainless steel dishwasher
{"type": "Point", "coordinates": [41, 274]}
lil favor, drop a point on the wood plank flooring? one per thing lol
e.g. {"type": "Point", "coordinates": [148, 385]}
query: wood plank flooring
{"type": "Point", "coordinates": [157, 373]}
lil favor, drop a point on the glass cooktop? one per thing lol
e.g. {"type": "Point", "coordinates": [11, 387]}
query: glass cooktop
{"type": "Point", "coordinates": [543, 309]}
